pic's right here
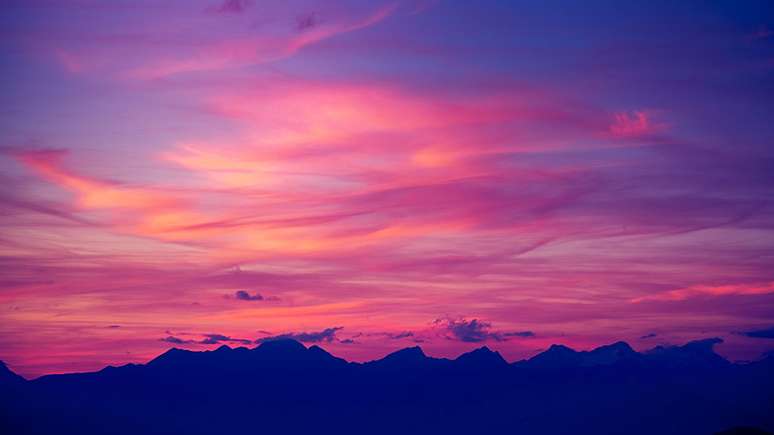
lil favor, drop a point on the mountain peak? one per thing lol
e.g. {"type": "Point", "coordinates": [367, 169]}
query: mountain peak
{"type": "Point", "coordinates": [560, 348]}
{"type": "Point", "coordinates": [609, 354]}
{"type": "Point", "coordinates": [281, 345]}
{"type": "Point", "coordinates": [414, 352]}
{"type": "Point", "coordinates": [483, 356]}
{"type": "Point", "coordinates": [621, 345]}
{"type": "Point", "coordinates": [407, 356]}
{"type": "Point", "coordinates": [560, 356]}
{"type": "Point", "coordinates": [697, 353]}
{"type": "Point", "coordinates": [7, 376]}
{"type": "Point", "coordinates": [557, 356]}
{"type": "Point", "coordinates": [172, 356]}
{"type": "Point", "coordinates": [620, 348]}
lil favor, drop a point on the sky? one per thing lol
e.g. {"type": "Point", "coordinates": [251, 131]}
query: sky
{"type": "Point", "coordinates": [373, 175]}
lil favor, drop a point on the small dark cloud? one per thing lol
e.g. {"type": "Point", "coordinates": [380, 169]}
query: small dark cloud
{"type": "Point", "coordinates": [347, 341]}
{"type": "Point", "coordinates": [219, 338]}
{"type": "Point", "coordinates": [475, 330]}
{"type": "Point", "coordinates": [646, 336]}
{"type": "Point", "coordinates": [327, 335]}
{"type": "Point", "coordinates": [306, 21]}
{"type": "Point", "coordinates": [405, 334]}
{"type": "Point", "coordinates": [244, 296]}
{"type": "Point", "coordinates": [759, 333]}
{"type": "Point", "coordinates": [114, 326]}
{"type": "Point", "coordinates": [470, 331]}
{"type": "Point", "coordinates": [175, 340]}
{"type": "Point", "coordinates": [231, 7]}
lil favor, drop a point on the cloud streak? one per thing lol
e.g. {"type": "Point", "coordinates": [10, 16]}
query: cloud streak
{"type": "Point", "coordinates": [760, 333]}
{"type": "Point", "coordinates": [251, 49]}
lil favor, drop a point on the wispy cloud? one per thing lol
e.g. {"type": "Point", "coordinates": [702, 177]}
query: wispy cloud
{"type": "Point", "coordinates": [231, 6]}
{"type": "Point", "coordinates": [255, 49]}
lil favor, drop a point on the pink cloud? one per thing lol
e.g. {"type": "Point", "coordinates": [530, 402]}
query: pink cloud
{"type": "Point", "coordinates": [634, 124]}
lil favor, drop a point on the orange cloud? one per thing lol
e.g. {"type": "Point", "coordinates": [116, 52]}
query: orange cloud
{"type": "Point", "coordinates": [95, 194]}
{"type": "Point", "coordinates": [300, 227]}
{"type": "Point", "coordinates": [134, 209]}
{"type": "Point", "coordinates": [322, 137]}
{"type": "Point", "coordinates": [710, 290]}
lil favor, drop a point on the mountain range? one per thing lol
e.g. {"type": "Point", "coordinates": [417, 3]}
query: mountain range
{"type": "Point", "coordinates": [284, 387]}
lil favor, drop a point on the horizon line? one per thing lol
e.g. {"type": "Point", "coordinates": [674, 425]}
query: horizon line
{"type": "Point", "coordinates": [712, 341]}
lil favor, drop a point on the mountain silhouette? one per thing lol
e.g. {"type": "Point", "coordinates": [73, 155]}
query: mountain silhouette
{"type": "Point", "coordinates": [559, 356]}
{"type": "Point", "coordinates": [283, 386]}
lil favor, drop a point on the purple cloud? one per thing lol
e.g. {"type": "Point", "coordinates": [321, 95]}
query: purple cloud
{"type": "Point", "coordinates": [176, 340]}
{"type": "Point", "coordinates": [245, 296]}
{"type": "Point", "coordinates": [760, 333]}
{"type": "Point", "coordinates": [232, 7]}
{"type": "Point", "coordinates": [475, 330]}
{"type": "Point", "coordinates": [326, 335]}
{"type": "Point", "coordinates": [219, 338]}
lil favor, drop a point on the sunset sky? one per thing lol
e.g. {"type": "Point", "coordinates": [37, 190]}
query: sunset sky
{"type": "Point", "coordinates": [372, 175]}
